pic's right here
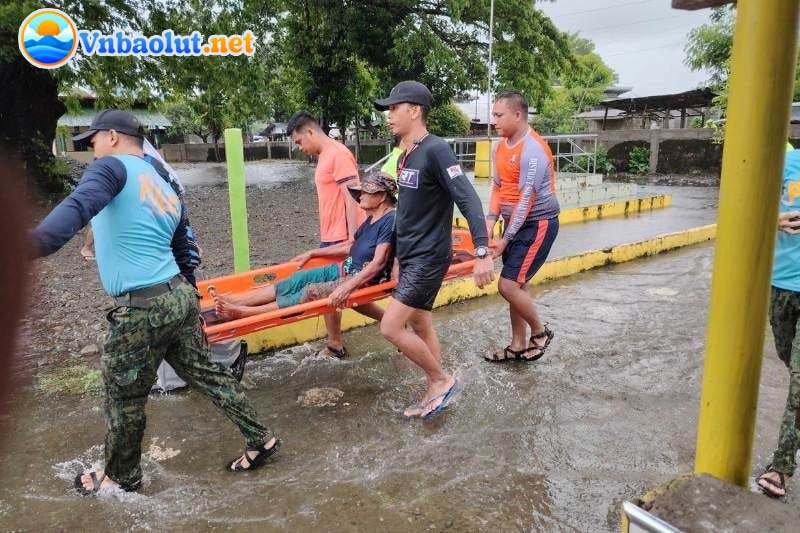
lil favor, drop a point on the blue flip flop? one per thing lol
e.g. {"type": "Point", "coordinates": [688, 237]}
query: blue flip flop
{"type": "Point", "coordinates": [447, 397]}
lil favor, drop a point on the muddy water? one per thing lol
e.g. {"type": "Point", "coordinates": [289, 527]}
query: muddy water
{"type": "Point", "coordinates": [554, 445]}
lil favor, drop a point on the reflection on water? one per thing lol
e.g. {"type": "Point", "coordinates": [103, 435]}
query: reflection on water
{"type": "Point", "coordinates": [554, 445]}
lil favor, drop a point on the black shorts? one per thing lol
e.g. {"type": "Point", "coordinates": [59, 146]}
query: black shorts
{"type": "Point", "coordinates": [420, 281]}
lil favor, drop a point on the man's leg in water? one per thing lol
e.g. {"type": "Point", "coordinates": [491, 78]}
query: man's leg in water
{"type": "Point", "coordinates": [333, 325]}
{"type": "Point", "coordinates": [523, 312]}
{"type": "Point", "coordinates": [190, 360]}
{"type": "Point", "coordinates": [413, 345]}
{"type": "Point", "coordinates": [129, 366]}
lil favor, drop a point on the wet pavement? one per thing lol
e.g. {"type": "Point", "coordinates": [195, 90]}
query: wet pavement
{"type": "Point", "coordinates": [555, 445]}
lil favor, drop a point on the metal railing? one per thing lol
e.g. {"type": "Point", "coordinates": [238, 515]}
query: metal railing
{"type": "Point", "coordinates": [573, 154]}
{"type": "Point", "coordinates": [643, 522]}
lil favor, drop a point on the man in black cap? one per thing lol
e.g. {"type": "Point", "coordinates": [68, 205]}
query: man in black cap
{"type": "Point", "coordinates": [430, 181]}
{"type": "Point", "coordinates": [135, 213]}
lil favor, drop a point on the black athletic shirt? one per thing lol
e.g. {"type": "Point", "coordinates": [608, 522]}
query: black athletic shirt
{"type": "Point", "coordinates": [430, 180]}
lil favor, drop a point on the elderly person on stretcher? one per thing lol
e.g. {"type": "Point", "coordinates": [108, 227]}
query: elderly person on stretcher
{"type": "Point", "coordinates": [369, 261]}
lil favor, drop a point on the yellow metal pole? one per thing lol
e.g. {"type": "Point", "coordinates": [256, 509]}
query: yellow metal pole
{"type": "Point", "coordinates": [762, 74]}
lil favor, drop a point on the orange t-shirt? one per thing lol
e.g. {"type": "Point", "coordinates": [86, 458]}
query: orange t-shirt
{"type": "Point", "coordinates": [336, 166]}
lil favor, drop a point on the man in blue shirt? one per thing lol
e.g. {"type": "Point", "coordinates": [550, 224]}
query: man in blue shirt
{"type": "Point", "coordinates": [784, 315]}
{"type": "Point", "coordinates": [137, 215]}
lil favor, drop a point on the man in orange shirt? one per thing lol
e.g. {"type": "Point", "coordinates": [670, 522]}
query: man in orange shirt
{"type": "Point", "coordinates": [339, 214]}
{"type": "Point", "coordinates": [523, 193]}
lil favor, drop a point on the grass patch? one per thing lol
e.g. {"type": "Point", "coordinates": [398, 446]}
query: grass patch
{"type": "Point", "coordinates": [78, 379]}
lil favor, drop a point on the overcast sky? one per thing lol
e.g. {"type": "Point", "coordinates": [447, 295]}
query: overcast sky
{"type": "Point", "coordinates": [642, 40]}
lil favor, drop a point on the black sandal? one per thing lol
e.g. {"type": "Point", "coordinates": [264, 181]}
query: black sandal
{"type": "Point", "coordinates": [255, 462]}
{"type": "Point", "coordinates": [539, 351]}
{"type": "Point", "coordinates": [508, 355]}
{"type": "Point", "coordinates": [781, 485]}
{"type": "Point", "coordinates": [338, 354]}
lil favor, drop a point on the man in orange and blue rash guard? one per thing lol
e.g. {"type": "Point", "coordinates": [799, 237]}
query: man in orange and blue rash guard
{"type": "Point", "coordinates": [523, 193]}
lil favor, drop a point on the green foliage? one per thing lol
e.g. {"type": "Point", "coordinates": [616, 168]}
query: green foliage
{"type": "Point", "coordinates": [78, 379]}
{"type": "Point", "coordinates": [709, 48]}
{"type": "Point", "coordinates": [555, 116]}
{"type": "Point", "coordinates": [441, 44]}
{"type": "Point", "coordinates": [603, 164]}
{"type": "Point", "coordinates": [581, 86]}
{"type": "Point", "coordinates": [448, 121]}
{"type": "Point", "coordinates": [639, 160]}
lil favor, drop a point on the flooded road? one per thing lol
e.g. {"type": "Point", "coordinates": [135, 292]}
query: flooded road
{"type": "Point", "coordinates": [555, 445]}
{"type": "Point", "coordinates": [551, 446]}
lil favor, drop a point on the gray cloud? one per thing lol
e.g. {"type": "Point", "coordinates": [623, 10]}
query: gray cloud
{"type": "Point", "coordinates": [642, 40]}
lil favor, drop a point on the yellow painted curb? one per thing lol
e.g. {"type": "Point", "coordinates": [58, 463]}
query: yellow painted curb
{"type": "Point", "coordinates": [595, 212]}
{"type": "Point", "coordinates": [464, 289]}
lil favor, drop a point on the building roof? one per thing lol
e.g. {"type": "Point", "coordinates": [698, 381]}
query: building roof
{"type": "Point", "coordinates": [699, 4]}
{"type": "Point", "coordinates": [148, 119]}
{"type": "Point", "coordinates": [599, 114]}
{"type": "Point", "coordinates": [696, 98]}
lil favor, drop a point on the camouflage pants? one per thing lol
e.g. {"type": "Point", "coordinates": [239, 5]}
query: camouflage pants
{"type": "Point", "coordinates": [136, 342]}
{"type": "Point", "coordinates": [784, 314]}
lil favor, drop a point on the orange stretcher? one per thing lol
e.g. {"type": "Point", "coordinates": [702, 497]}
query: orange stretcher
{"type": "Point", "coordinates": [462, 262]}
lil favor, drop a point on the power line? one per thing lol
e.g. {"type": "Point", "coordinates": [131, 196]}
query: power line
{"type": "Point", "coordinates": [593, 30]}
{"type": "Point", "coordinates": [607, 8]}
{"type": "Point", "coordinates": [636, 51]}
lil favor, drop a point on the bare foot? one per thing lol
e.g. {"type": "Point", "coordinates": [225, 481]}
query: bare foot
{"type": "Point", "coordinates": [436, 393]}
{"type": "Point", "coordinates": [772, 483]}
{"type": "Point", "coordinates": [327, 350]}
{"type": "Point", "coordinates": [88, 254]}
{"type": "Point", "coordinates": [226, 310]}
{"type": "Point", "coordinates": [106, 484]}
{"type": "Point", "coordinates": [414, 410]}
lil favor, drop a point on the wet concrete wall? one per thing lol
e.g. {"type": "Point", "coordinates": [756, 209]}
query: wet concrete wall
{"type": "Point", "coordinates": [673, 151]}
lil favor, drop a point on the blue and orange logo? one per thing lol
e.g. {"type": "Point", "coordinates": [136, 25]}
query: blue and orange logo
{"type": "Point", "coordinates": [48, 38]}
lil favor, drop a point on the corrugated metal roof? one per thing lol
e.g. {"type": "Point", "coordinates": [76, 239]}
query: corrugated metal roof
{"type": "Point", "coordinates": [598, 114]}
{"type": "Point", "coordinates": [148, 119]}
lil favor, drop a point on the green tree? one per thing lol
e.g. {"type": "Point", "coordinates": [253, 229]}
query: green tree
{"type": "Point", "coordinates": [442, 43]}
{"type": "Point", "coordinates": [709, 48]}
{"type": "Point", "coordinates": [447, 120]}
{"type": "Point", "coordinates": [579, 87]}
{"type": "Point", "coordinates": [213, 93]}
{"type": "Point", "coordinates": [29, 96]}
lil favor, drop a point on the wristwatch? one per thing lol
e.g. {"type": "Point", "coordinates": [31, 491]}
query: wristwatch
{"type": "Point", "coordinates": [481, 252]}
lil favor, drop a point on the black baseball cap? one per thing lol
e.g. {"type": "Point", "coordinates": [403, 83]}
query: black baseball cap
{"type": "Point", "coordinates": [410, 92]}
{"type": "Point", "coordinates": [112, 119]}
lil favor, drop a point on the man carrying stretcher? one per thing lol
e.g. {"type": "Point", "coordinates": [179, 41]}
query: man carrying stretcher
{"type": "Point", "coordinates": [369, 261]}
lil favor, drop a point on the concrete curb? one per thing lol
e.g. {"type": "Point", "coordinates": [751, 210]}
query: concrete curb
{"type": "Point", "coordinates": [464, 289]}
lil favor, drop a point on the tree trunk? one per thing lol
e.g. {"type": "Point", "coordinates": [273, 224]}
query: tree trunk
{"type": "Point", "coordinates": [29, 113]}
{"type": "Point", "coordinates": [216, 148]}
{"type": "Point", "coordinates": [358, 141]}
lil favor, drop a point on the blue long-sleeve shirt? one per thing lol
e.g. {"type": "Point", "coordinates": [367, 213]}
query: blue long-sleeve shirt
{"type": "Point", "coordinates": [102, 181]}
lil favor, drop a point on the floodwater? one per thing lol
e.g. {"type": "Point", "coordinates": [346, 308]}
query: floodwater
{"type": "Point", "coordinates": [263, 174]}
{"type": "Point", "coordinates": [555, 445]}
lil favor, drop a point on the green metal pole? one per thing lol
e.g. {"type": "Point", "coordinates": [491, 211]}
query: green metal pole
{"type": "Point", "coordinates": [234, 157]}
